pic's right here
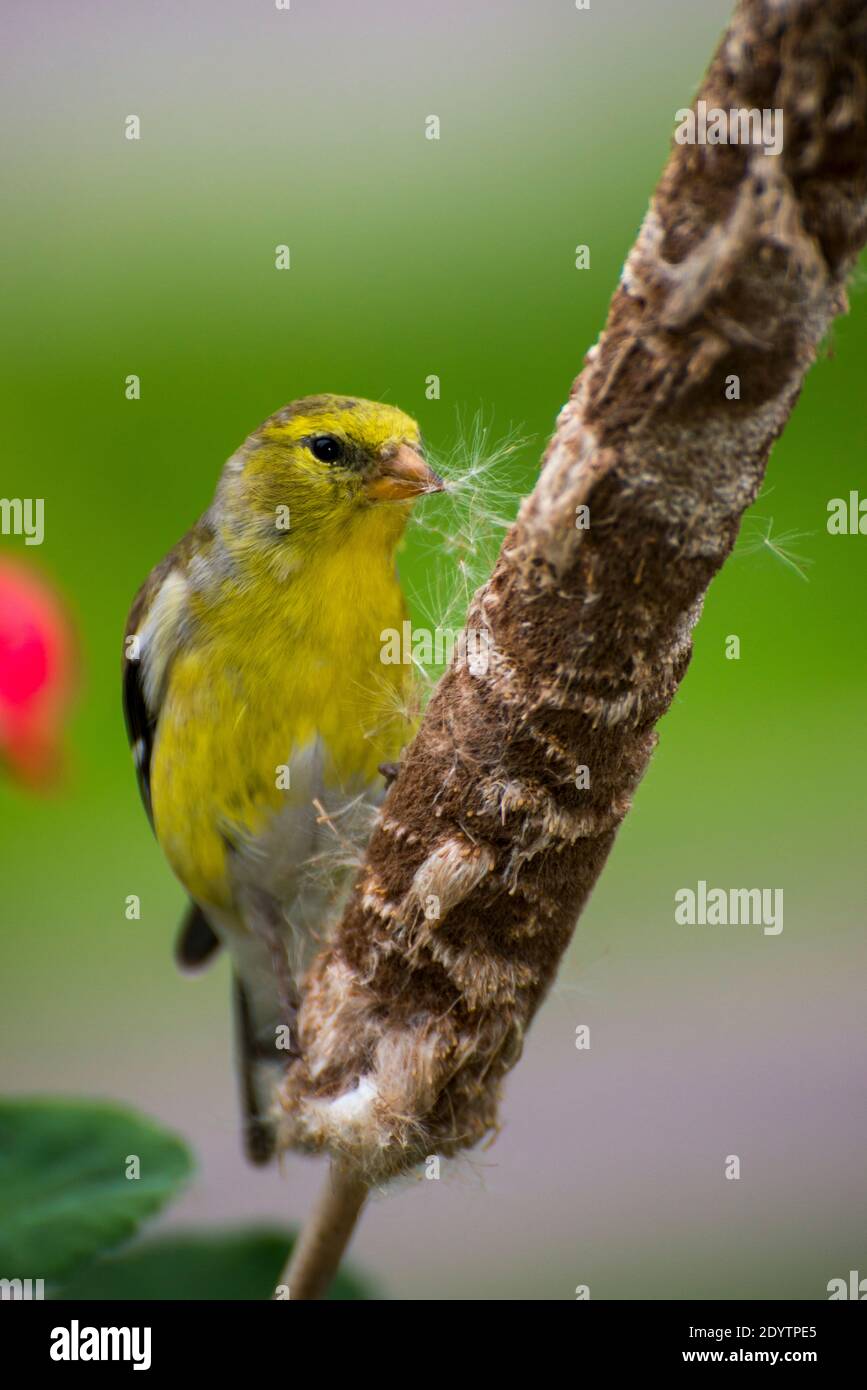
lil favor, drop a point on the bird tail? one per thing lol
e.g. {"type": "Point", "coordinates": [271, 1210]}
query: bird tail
{"type": "Point", "coordinates": [257, 1010]}
{"type": "Point", "coordinates": [258, 1130]}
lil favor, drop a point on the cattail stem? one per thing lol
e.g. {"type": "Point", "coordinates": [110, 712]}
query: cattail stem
{"type": "Point", "coordinates": [320, 1246]}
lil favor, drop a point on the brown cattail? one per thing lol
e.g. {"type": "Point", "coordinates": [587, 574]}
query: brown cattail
{"type": "Point", "coordinates": [507, 804]}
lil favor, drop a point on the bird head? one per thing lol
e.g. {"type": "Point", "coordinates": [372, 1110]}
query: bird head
{"type": "Point", "coordinates": [324, 466]}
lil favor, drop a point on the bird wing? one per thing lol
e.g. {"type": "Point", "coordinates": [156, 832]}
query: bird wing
{"type": "Point", "coordinates": [140, 729]}
{"type": "Point", "coordinates": [157, 622]}
{"type": "Point", "coordinates": [157, 626]}
{"type": "Point", "coordinates": [151, 640]}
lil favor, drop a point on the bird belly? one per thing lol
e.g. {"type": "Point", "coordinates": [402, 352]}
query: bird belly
{"type": "Point", "coordinates": [245, 748]}
{"type": "Point", "coordinates": [302, 852]}
{"type": "Point", "coordinates": [249, 813]}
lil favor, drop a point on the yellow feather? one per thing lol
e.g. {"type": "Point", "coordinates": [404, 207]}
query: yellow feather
{"type": "Point", "coordinates": [284, 647]}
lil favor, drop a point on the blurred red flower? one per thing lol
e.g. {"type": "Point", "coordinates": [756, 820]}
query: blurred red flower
{"type": "Point", "coordinates": [37, 673]}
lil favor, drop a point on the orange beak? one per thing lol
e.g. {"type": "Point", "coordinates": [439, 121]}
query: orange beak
{"type": "Point", "coordinates": [404, 474]}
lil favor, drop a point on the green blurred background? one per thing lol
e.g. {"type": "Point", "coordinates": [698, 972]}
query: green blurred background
{"type": "Point", "coordinates": [412, 257]}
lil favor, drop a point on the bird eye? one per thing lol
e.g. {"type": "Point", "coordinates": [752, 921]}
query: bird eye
{"type": "Point", "coordinates": [326, 448]}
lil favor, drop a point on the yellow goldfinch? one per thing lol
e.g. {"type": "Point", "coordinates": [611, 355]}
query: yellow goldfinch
{"type": "Point", "coordinates": [254, 688]}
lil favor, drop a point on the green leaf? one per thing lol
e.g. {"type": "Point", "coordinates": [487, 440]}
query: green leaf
{"type": "Point", "coordinates": [226, 1265]}
{"type": "Point", "coordinates": [64, 1191]}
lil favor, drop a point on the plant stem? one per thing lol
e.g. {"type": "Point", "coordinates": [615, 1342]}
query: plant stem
{"type": "Point", "coordinates": [320, 1246]}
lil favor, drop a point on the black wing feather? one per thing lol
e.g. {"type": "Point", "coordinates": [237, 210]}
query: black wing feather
{"type": "Point", "coordinates": [196, 941]}
{"type": "Point", "coordinates": [141, 728]}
